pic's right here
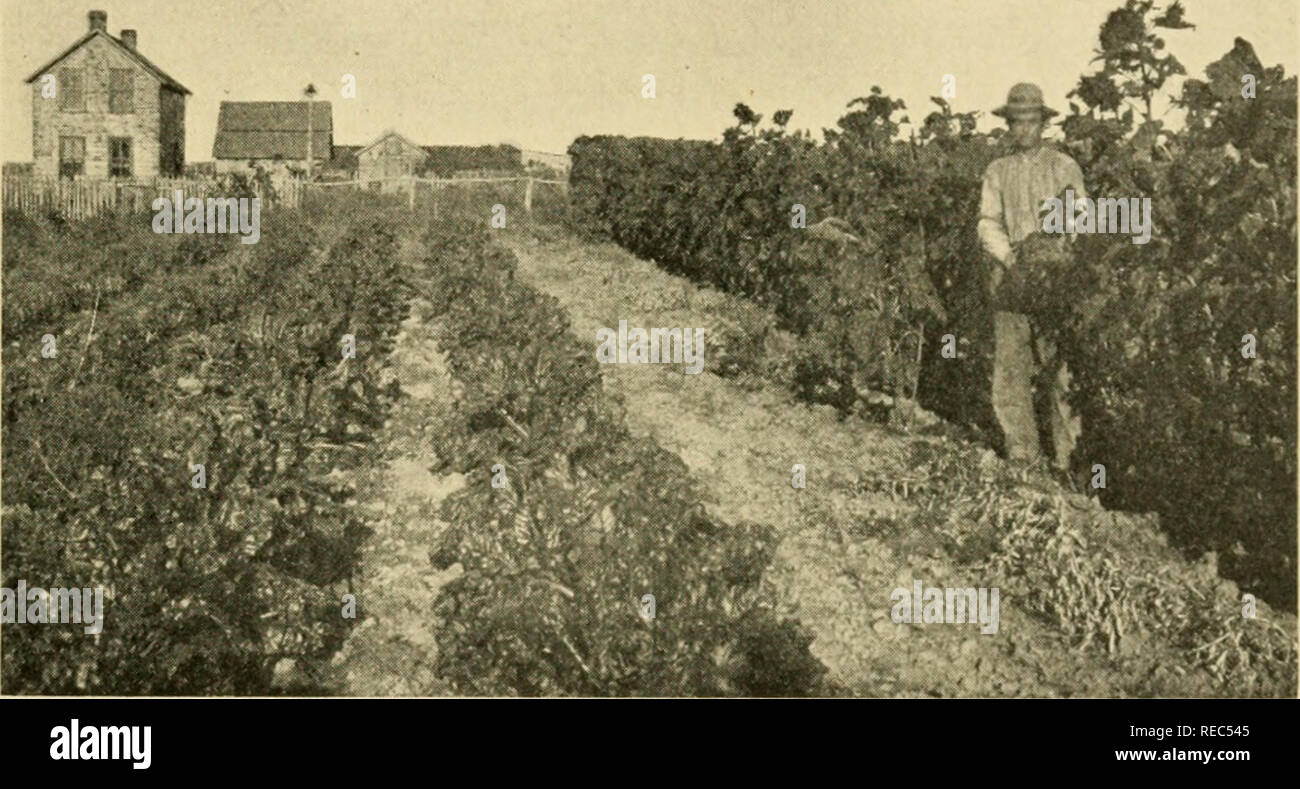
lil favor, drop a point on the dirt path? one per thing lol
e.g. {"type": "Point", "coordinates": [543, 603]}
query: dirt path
{"type": "Point", "coordinates": [837, 565]}
{"type": "Point", "coordinates": [391, 651]}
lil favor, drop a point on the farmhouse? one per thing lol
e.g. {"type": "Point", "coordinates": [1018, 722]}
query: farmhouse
{"type": "Point", "coordinates": [388, 159]}
{"type": "Point", "coordinates": [272, 135]}
{"type": "Point", "coordinates": [100, 109]}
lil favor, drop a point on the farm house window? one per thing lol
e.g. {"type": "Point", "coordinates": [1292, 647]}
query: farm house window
{"type": "Point", "coordinates": [177, 166]}
{"type": "Point", "coordinates": [72, 90]}
{"type": "Point", "coordinates": [72, 156]}
{"type": "Point", "coordinates": [119, 157]}
{"type": "Point", "coordinates": [121, 91]}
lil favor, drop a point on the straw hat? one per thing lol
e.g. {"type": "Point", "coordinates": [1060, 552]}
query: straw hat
{"type": "Point", "coordinates": [1025, 98]}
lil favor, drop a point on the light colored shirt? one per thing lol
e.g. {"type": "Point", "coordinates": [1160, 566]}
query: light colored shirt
{"type": "Point", "coordinates": [1012, 196]}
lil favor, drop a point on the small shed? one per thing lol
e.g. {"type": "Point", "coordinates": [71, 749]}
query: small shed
{"type": "Point", "coordinates": [389, 159]}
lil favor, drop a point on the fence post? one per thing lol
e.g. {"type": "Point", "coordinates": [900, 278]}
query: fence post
{"type": "Point", "coordinates": [410, 179]}
{"type": "Point", "coordinates": [528, 198]}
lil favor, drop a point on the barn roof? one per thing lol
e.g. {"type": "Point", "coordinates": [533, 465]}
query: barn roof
{"type": "Point", "coordinates": [266, 129]}
{"type": "Point", "coordinates": [145, 62]}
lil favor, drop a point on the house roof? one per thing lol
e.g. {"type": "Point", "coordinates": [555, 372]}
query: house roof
{"type": "Point", "coordinates": [267, 129]}
{"type": "Point", "coordinates": [385, 136]}
{"type": "Point", "coordinates": [145, 62]}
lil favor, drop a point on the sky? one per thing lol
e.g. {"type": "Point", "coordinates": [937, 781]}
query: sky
{"type": "Point", "coordinates": [538, 74]}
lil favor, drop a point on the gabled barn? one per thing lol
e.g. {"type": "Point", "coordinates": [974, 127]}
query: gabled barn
{"type": "Point", "coordinates": [272, 135]}
{"type": "Point", "coordinates": [100, 109]}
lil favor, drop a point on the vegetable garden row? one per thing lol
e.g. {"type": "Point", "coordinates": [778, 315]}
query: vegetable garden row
{"type": "Point", "coordinates": [170, 354]}
{"type": "Point", "coordinates": [582, 522]}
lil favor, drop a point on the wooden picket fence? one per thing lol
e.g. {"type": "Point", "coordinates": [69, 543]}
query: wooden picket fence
{"type": "Point", "coordinates": [407, 183]}
{"type": "Point", "coordinates": [83, 198]}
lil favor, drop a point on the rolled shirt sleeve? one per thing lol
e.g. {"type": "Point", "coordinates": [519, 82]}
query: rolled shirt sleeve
{"type": "Point", "coordinates": [992, 225]}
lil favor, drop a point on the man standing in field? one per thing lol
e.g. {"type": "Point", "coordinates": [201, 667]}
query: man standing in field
{"type": "Point", "coordinates": [1014, 190]}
